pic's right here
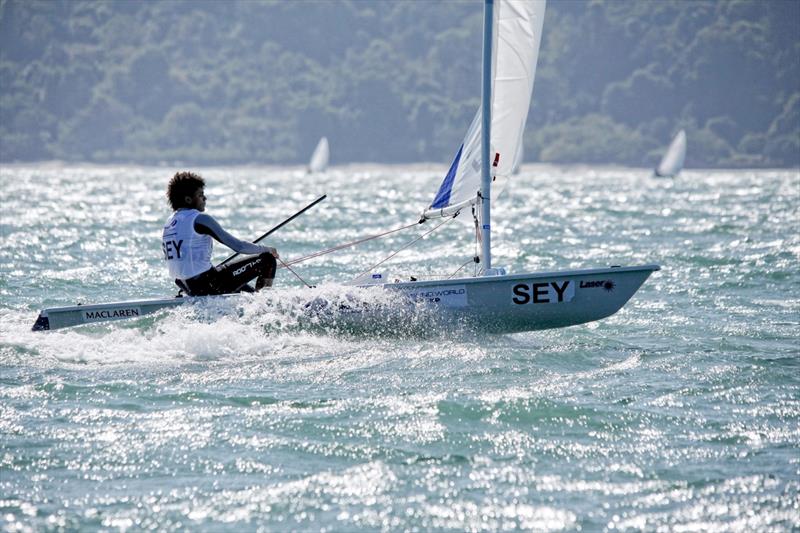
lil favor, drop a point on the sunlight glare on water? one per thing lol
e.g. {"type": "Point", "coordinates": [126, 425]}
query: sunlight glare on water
{"type": "Point", "coordinates": [680, 412]}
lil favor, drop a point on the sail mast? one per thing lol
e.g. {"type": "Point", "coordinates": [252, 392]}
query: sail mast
{"type": "Point", "coordinates": [486, 110]}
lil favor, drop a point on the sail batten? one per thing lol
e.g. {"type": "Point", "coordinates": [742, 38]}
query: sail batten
{"type": "Point", "coordinates": [517, 31]}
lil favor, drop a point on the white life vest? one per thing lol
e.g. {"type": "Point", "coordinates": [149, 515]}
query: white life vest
{"type": "Point", "coordinates": [186, 252]}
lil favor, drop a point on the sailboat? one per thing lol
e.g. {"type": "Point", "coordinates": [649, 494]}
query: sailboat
{"type": "Point", "coordinates": [319, 159]}
{"type": "Point", "coordinates": [672, 162]}
{"type": "Point", "coordinates": [492, 300]}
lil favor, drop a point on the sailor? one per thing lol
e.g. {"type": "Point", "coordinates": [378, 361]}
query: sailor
{"type": "Point", "coordinates": [187, 242]}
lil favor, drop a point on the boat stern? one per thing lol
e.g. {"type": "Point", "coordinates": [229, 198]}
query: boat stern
{"type": "Point", "coordinates": [42, 322]}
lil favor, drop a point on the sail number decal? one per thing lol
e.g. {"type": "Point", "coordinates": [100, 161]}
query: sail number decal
{"type": "Point", "coordinates": [110, 314]}
{"type": "Point", "coordinates": [543, 292]}
{"type": "Point", "coordinates": [607, 284]}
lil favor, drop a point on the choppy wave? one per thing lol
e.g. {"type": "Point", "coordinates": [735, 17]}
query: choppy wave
{"type": "Point", "coordinates": [681, 412]}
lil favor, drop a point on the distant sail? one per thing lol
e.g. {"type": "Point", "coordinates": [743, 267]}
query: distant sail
{"type": "Point", "coordinates": [672, 162]}
{"type": "Point", "coordinates": [516, 35]}
{"type": "Point", "coordinates": [320, 157]}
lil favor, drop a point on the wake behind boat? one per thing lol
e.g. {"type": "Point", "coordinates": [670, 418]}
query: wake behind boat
{"type": "Point", "coordinates": [491, 301]}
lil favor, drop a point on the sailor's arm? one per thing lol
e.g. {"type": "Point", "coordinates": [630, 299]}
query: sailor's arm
{"type": "Point", "coordinates": [206, 225]}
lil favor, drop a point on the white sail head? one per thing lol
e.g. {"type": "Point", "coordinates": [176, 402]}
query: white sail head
{"type": "Point", "coordinates": [672, 162]}
{"type": "Point", "coordinates": [320, 157]}
{"type": "Point", "coordinates": [516, 35]}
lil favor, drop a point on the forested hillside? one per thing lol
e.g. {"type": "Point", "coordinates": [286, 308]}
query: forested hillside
{"type": "Point", "coordinates": [259, 82]}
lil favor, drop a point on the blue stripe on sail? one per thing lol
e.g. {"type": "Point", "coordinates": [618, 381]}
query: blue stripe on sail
{"type": "Point", "coordinates": [443, 196]}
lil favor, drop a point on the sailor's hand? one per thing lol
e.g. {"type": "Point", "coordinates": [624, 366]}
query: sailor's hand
{"type": "Point", "coordinates": [270, 250]}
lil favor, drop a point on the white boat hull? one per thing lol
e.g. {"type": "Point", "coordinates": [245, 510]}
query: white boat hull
{"type": "Point", "coordinates": [77, 315]}
{"type": "Point", "coordinates": [535, 301]}
{"type": "Point", "coordinates": [500, 304]}
{"type": "Point", "coordinates": [497, 304]}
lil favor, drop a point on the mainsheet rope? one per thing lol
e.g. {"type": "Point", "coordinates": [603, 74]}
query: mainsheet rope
{"type": "Point", "coordinates": [290, 269]}
{"type": "Point", "coordinates": [288, 264]}
{"type": "Point", "coordinates": [345, 245]}
{"type": "Point", "coordinates": [406, 246]}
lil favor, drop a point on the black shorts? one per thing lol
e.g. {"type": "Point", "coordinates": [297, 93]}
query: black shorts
{"type": "Point", "coordinates": [232, 277]}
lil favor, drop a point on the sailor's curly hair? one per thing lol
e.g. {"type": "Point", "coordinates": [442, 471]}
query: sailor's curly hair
{"type": "Point", "coordinates": [181, 185]}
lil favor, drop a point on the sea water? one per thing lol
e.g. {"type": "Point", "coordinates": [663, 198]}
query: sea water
{"type": "Point", "coordinates": [681, 412]}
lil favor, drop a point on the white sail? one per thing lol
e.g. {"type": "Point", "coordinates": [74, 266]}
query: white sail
{"type": "Point", "coordinates": [518, 160]}
{"type": "Point", "coordinates": [516, 35]}
{"type": "Point", "coordinates": [672, 162]}
{"type": "Point", "coordinates": [320, 157]}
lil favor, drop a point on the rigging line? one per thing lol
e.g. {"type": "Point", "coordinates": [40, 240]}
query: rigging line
{"type": "Point", "coordinates": [476, 257]}
{"type": "Point", "coordinates": [472, 260]}
{"type": "Point", "coordinates": [346, 245]}
{"type": "Point", "coordinates": [406, 246]}
{"type": "Point", "coordinates": [295, 273]}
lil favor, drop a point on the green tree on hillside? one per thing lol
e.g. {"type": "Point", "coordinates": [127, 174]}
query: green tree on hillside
{"type": "Point", "coordinates": [261, 81]}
